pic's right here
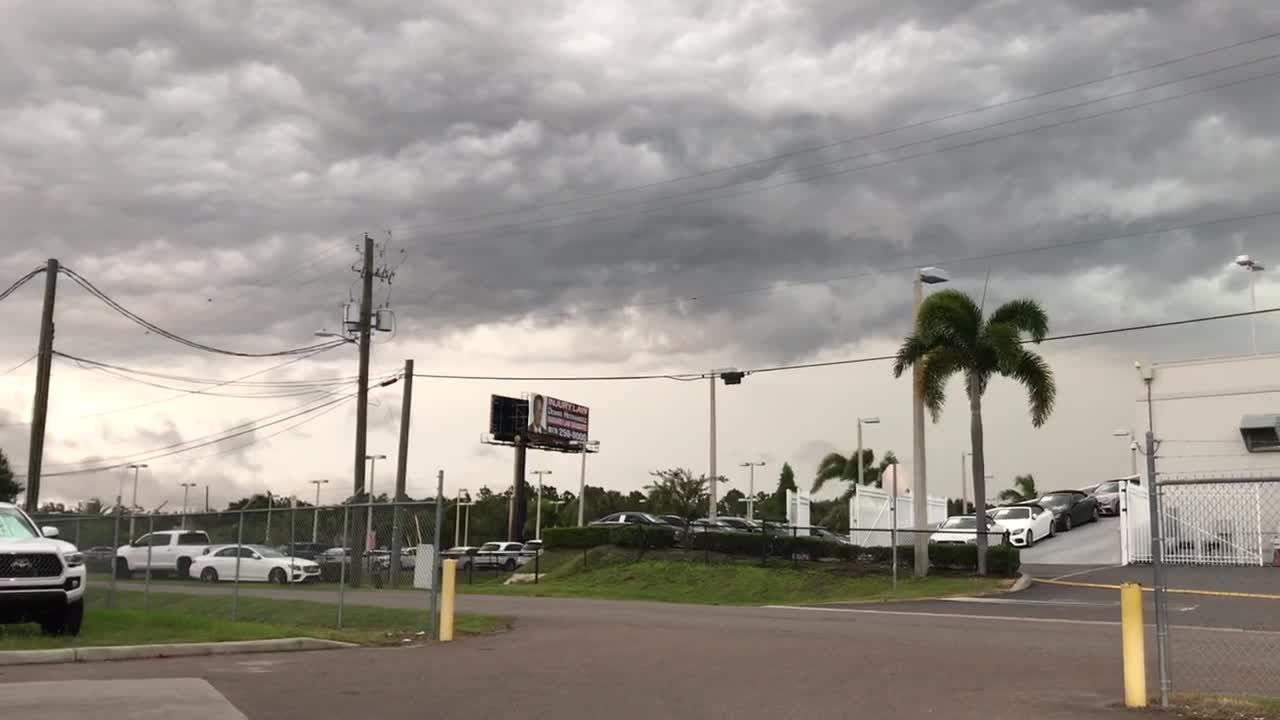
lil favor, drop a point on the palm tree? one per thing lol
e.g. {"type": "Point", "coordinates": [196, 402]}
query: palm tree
{"type": "Point", "coordinates": [837, 467]}
{"type": "Point", "coordinates": [1024, 489]}
{"type": "Point", "coordinates": [952, 336]}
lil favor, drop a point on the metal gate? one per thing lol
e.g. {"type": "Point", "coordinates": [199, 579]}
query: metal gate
{"type": "Point", "coordinates": [1203, 520]}
{"type": "Point", "coordinates": [871, 513]}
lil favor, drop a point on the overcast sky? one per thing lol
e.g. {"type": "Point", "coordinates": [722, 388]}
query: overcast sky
{"type": "Point", "coordinates": [583, 188]}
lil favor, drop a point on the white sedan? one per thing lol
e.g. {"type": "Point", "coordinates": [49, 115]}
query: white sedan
{"type": "Point", "coordinates": [258, 563]}
{"type": "Point", "coordinates": [960, 529]}
{"type": "Point", "coordinates": [1026, 523]}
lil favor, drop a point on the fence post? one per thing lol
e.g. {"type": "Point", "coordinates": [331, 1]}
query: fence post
{"type": "Point", "coordinates": [293, 538]}
{"type": "Point", "coordinates": [342, 567]}
{"type": "Point", "coordinates": [893, 535]}
{"type": "Point", "coordinates": [436, 559]}
{"type": "Point", "coordinates": [146, 582]}
{"type": "Point", "coordinates": [1157, 570]}
{"type": "Point", "coordinates": [795, 564]}
{"type": "Point", "coordinates": [115, 545]}
{"type": "Point", "coordinates": [235, 590]}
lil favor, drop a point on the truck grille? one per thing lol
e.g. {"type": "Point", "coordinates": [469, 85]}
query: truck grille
{"type": "Point", "coordinates": [29, 565]}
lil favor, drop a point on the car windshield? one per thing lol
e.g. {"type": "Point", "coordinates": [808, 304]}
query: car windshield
{"type": "Point", "coordinates": [1108, 487]}
{"type": "Point", "coordinates": [15, 526]}
{"type": "Point", "coordinates": [1010, 513]}
{"type": "Point", "coordinates": [964, 522]}
{"type": "Point", "coordinates": [268, 552]}
{"type": "Point", "coordinates": [1056, 502]}
{"type": "Point", "coordinates": [490, 547]}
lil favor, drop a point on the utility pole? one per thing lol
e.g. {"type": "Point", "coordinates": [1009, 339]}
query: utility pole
{"type": "Point", "coordinates": [964, 483]}
{"type": "Point", "coordinates": [134, 503]}
{"type": "Point", "coordinates": [206, 498]}
{"type": "Point", "coordinates": [40, 404]}
{"type": "Point", "coordinates": [402, 469]}
{"type": "Point", "coordinates": [362, 401]}
{"type": "Point", "coordinates": [519, 510]}
{"type": "Point", "coordinates": [587, 447]}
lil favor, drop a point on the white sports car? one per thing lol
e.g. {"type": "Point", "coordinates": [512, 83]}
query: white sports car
{"type": "Point", "coordinates": [1026, 523]}
{"type": "Point", "coordinates": [257, 563]}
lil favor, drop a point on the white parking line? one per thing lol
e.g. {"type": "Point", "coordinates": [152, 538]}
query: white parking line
{"type": "Point", "coordinates": [1010, 601]}
{"type": "Point", "coordinates": [1086, 571]}
{"type": "Point", "coordinates": [1015, 618]}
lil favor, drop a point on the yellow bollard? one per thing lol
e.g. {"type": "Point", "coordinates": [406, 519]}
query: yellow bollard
{"type": "Point", "coordinates": [447, 587]}
{"type": "Point", "coordinates": [1134, 644]}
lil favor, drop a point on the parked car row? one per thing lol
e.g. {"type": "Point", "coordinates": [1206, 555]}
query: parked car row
{"type": "Point", "coordinates": [495, 555]}
{"type": "Point", "coordinates": [1026, 523]}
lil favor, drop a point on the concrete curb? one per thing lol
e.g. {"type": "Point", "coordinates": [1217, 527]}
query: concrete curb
{"type": "Point", "coordinates": [143, 652]}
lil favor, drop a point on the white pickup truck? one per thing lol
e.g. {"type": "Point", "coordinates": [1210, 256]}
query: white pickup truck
{"type": "Point", "coordinates": [41, 577]}
{"type": "Point", "coordinates": [171, 553]}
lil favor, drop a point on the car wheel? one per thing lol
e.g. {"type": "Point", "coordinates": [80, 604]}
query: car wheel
{"type": "Point", "coordinates": [209, 575]}
{"type": "Point", "coordinates": [1066, 523]}
{"type": "Point", "coordinates": [277, 577]}
{"type": "Point", "coordinates": [509, 565]}
{"type": "Point", "coordinates": [64, 621]}
{"type": "Point", "coordinates": [184, 567]}
{"type": "Point", "coordinates": [1096, 513]}
{"type": "Point", "coordinates": [1031, 538]}
{"type": "Point", "coordinates": [122, 569]}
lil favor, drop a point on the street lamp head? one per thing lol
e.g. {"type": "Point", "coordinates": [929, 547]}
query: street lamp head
{"type": "Point", "coordinates": [375, 457]}
{"type": "Point", "coordinates": [869, 420]}
{"type": "Point", "coordinates": [933, 275]}
{"type": "Point", "coordinates": [1120, 432]}
{"type": "Point", "coordinates": [1247, 262]}
{"type": "Point", "coordinates": [142, 466]}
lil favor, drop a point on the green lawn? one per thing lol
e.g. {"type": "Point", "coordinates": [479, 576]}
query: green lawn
{"type": "Point", "coordinates": [615, 575]}
{"type": "Point", "coordinates": [191, 618]}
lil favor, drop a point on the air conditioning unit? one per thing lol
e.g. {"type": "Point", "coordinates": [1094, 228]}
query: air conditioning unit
{"type": "Point", "coordinates": [1261, 433]}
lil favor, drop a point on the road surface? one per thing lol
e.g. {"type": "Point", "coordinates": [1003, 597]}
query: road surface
{"type": "Point", "coordinates": [1090, 544]}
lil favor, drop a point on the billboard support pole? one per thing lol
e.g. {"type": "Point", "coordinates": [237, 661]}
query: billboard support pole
{"type": "Point", "coordinates": [515, 533]}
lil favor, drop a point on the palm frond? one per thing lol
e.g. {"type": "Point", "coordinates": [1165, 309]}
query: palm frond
{"type": "Point", "coordinates": [1033, 372]}
{"type": "Point", "coordinates": [914, 349]}
{"type": "Point", "coordinates": [832, 467]}
{"type": "Point", "coordinates": [949, 318]}
{"type": "Point", "coordinates": [1024, 315]}
{"type": "Point", "coordinates": [938, 367]}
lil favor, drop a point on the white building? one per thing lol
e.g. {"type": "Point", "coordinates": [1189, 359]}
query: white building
{"type": "Point", "coordinates": [1216, 424]}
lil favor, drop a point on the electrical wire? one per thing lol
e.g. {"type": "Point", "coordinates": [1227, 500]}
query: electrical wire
{"type": "Point", "coordinates": [220, 382]}
{"type": "Point", "coordinates": [647, 206]}
{"type": "Point", "coordinates": [844, 141]}
{"type": "Point", "coordinates": [912, 266]}
{"type": "Point", "coordinates": [19, 366]}
{"type": "Point", "coordinates": [152, 327]}
{"type": "Point", "coordinates": [20, 282]}
{"type": "Point", "coordinates": [833, 363]}
{"type": "Point", "coordinates": [170, 452]}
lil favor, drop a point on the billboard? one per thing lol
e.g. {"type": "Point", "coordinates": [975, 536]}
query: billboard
{"type": "Point", "coordinates": [557, 422]}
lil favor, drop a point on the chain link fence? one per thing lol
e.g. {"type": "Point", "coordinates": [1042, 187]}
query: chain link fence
{"type": "Point", "coordinates": [1218, 537]}
{"type": "Point", "coordinates": [301, 550]}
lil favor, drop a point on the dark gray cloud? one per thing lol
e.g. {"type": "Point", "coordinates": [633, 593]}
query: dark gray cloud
{"type": "Point", "coordinates": [211, 167]}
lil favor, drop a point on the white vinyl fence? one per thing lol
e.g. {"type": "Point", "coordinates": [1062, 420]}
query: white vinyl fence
{"type": "Point", "coordinates": [870, 515]}
{"type": "Point", "coordinates": [1204, 521]}
{"type": "Point", "coordinates": [798, 503]}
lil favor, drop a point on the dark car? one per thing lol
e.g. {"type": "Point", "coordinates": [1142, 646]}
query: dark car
{"type": "Point", "coordinates": [1070, 508]}
{"type": "Point", "coordinates": [629, 518]}
{"type": "Point", "coordinates": [304, 550]}
{"type": "Point", "coordinates": [674, 521]}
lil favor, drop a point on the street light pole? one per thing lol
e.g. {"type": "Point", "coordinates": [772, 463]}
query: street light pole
{"type": "Point", "coordinates": [858, 457]}
{"type": "Point", "coordinates": [537, 526]}
{"type": "Point", "coordinates": [370, 539]}
{"type": "Point", "coordinates": [457, 520]}
{"type": "Point", "coordinates": [731, 376]}
{"type": "Point", "coordinates": [587, 447]}
{"type": "Point", "coordinates": [1252, 266]}
{"type": "Point", "coordinates": [186, 488]}
{"type": "Point", "coordinates": [964, 482]}
{"type": "Point", "coordinates": [134, 503]}
{"type": "Point", "coordinates": [919, 478]}
{"type": "Point", "coordinates": [751, 487]}
{"type": "Point", "coordinates": [315, 519]}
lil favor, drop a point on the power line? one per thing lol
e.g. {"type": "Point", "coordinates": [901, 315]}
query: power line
{"type": "Point", "coordinates": [832, 363]}
{"type": "Point", "coordinates": [220, 382]}
{"type": "Point", "coordinates": [15, 368]}
{"type": "Point", "coordinates": [157, 454]}
{"type": "Point", "coordinates": [152, 327]}
{"type": "Point", "coordinates": [914, 265]}
{"type": "Point", "coordinates": [20, 282]}
{"type": "Point", "coordinates": [646, 207]}
{"type": "Point", "coordinates": [868, 136]}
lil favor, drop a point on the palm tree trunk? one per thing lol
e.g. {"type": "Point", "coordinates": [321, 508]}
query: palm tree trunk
{"type": "Point", "coordinates": [979, 470]}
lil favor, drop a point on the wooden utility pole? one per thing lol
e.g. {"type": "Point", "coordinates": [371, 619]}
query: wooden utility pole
{"type": "Point", "coordinates": [40, 405]}
{"type": "Point", "coordinates": [358, 536]}
{"type": "Point", "coordinates": [402, 469]}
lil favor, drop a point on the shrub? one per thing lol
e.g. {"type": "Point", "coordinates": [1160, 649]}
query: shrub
{"type": "Point", "coordinates": [582, 538]}
{"type": "Point", "coordinates": [1001, 559]}
{"type": "Point", "coordinates": [645, 537]}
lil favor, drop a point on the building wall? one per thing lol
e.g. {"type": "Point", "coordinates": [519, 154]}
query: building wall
{"type": "Point", "coordinates": [1197, 406]}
